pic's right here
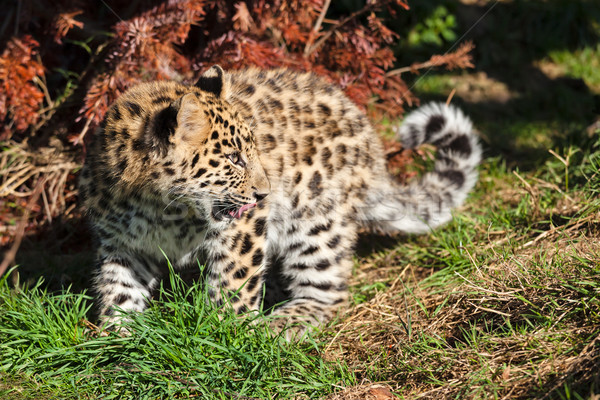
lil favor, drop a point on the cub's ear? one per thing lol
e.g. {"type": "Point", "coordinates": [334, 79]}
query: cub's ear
{"type": "Point", "coordinates": [182, 121]}
{"type": "Point", "coordinates": [192, 122]}
{"type": "Point", "coordinates": [213, 81]}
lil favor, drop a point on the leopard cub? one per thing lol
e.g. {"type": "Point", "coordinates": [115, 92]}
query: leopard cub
{"type": "Point", "coordinates": [263, 176]}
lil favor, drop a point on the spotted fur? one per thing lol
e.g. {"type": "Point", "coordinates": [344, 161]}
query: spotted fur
{"type": "Point", "coordinates": [263, 176]}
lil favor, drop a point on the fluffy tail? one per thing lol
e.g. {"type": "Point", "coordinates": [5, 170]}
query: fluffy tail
{"type": "Point", "coordinates": [427, 202]}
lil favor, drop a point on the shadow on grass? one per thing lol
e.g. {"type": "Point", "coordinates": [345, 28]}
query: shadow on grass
{"type": "Point", "coordinates": [61, 254]}
{"type": "Point", "coordinates": [539, 106]}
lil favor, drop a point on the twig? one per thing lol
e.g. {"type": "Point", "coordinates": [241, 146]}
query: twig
{"type": "Point", "coordinates": [549, 185]}
{"type": "Point", "coordinates": [458, 59]}
{"type": "Point", "coordinates": [339, 331]}
{"type": "Point", "coordinates": [532, 192]}
{"type": "Point", "coordinates": [338, 25]}
{"type": "Point", "coordinates": [562, 160]}
{"type": "Point", "coordinates": [491, 310]}
{"type": "Point", "coordinates": [10, 255]}
{"type": "Point", "coordinates": [316, 28]}
{"type": "Point", "coordinates": [450, 96]}
{"type": "Point", "coordinates": [85, 128]}
{"type": "Point", "coordinates": [554, 230]}
{"type": "Point", "coordinates": [413, 67]}
{"type": "Point", "coordinates": [16, 175]}
{"type": "Point", "coordinates": [474, 286]}
{"type": "Point", "coordinates": [46, 206]}
{"type": "Point", "coordinates": [9, 185]}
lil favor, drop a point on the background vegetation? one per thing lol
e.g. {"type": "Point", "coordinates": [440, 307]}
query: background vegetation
{"type": "Point", "coordinates": [501, 303]}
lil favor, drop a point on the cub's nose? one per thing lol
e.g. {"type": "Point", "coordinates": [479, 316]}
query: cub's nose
{"type": "Point", "coordinates": [260, 195]}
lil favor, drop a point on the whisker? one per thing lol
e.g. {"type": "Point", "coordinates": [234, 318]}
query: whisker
{"type": "Point", "coordinates": [172, 201]}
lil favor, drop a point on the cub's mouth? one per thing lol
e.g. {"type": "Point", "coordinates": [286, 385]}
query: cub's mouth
{"type": "Point", "coordinates": [230, 210]}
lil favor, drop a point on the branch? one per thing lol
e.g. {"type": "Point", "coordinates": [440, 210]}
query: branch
{"type": "Point", "coordinates": [461, 58]}
{"type": "Point", "coordinates": [316, 28]}
{"type": "Point", "coordinates": [339, 24]}
{"type": "Point", "coordinates": [10, 255]}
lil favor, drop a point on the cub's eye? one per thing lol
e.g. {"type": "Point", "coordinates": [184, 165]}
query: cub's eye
{"type": "Point", "coordinates": [236, 159]}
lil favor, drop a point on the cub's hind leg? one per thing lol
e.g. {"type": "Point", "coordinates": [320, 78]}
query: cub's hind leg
{"type": "Point", "coordinates": [316, 265]}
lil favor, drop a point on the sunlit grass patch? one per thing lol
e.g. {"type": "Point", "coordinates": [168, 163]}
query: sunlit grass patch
{"type": "Point", "coordinates": [181, 346]}
{"type": "Point", "coordinates": [582, 63]}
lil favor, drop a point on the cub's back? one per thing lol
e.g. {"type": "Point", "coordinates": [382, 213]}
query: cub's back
{"type": "Point", "coordinates": [304, 124]}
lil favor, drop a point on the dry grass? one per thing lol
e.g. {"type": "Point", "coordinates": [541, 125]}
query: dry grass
{"type": "Point", "coordinates": [520, 321]}
{"type": "Point", "coordinates": [26, 176]}
{"type": "Point", "coordinates": [20, 166]}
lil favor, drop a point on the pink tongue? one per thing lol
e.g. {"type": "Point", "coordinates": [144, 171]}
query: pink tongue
{"type": "Point", "coordinates": [238, 213]}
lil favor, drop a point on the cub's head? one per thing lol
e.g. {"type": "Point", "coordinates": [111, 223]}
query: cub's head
{"type": "Point", "coordinates": [191, 147]}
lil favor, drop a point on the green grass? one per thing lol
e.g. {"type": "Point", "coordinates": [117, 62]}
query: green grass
{"type": "Point", "coordinates": [583, 63]}
{"type": "Point", "coordinates": [180, 347]}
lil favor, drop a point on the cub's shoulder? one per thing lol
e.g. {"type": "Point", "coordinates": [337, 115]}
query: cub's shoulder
{"type": "Point", "coordinates": [279, 81]}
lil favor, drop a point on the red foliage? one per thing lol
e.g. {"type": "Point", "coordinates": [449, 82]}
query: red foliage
{"type": "Point", "coordinates": [64, 22]}
{"type": "Point", "coordinates": [20, 98]}
{"type": "Point", "coordinates": [288, 33]}
{"type": "Point", "coordinates": [263, 33]}
{"type": "Point", "coordinates": [177, 39]}
{"type": "Point", "coordinates": [96, 50]}
{"type": "Point", "coordinates": [143, 49]}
